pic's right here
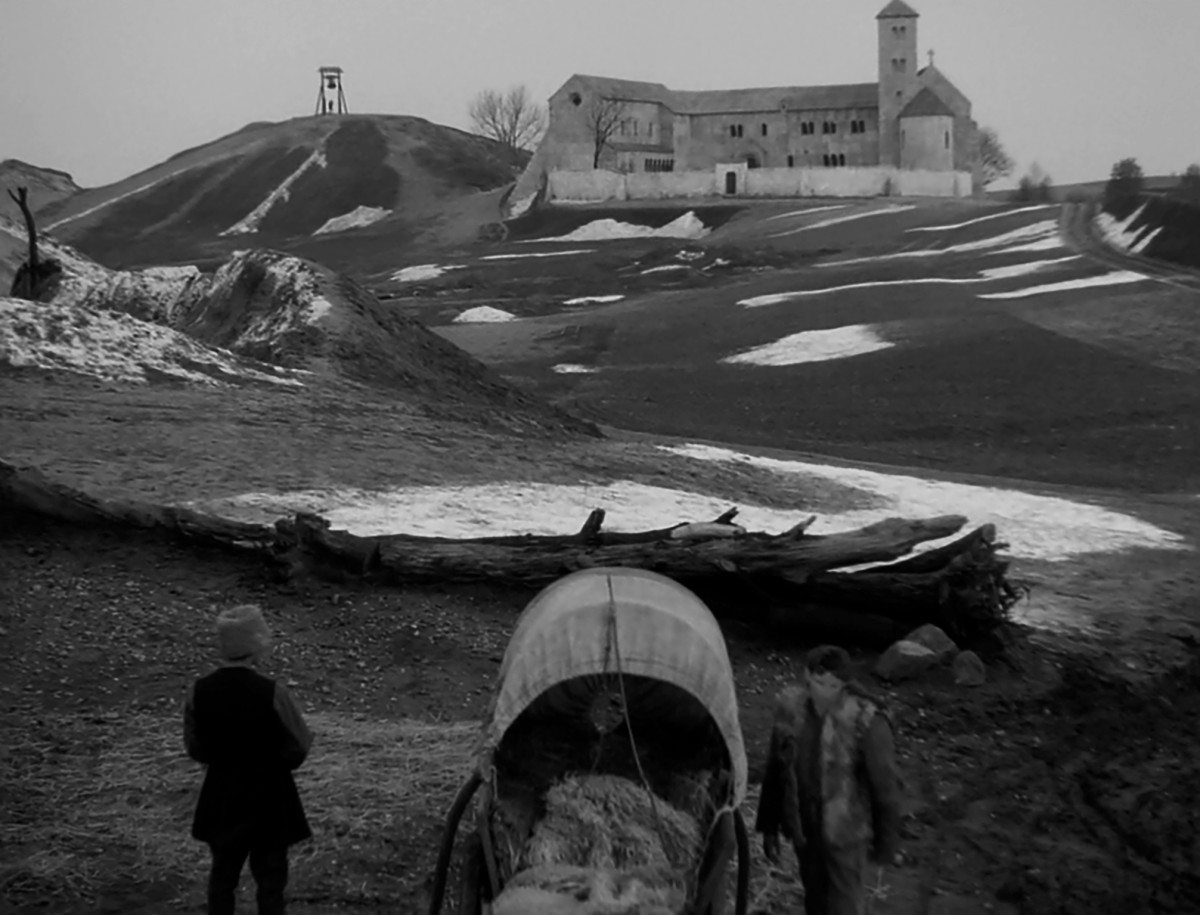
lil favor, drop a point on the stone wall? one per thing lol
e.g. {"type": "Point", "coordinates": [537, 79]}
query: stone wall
{"type": "Point", "coordinates": [758, 182]}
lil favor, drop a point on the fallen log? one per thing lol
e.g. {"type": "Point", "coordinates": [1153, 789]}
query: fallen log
{"type": "Point", "coordinates": [27, 491]}
{"type": "Point", "coordinates": [538, 560]}
{"type": "Point", "coordinates": [788, 583]}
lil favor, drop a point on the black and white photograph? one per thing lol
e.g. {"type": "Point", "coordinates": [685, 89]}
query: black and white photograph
{"type": "Point", "coordinates": [536, 457]}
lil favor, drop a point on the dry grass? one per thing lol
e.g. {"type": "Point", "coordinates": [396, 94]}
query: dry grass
{"type": "Point", "coordinates": [90, 799]}
{"type": "Point", "coordinates": [87, 801]}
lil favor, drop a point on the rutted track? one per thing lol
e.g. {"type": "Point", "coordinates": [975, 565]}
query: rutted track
{"type": "Point", "coordinates": [1079, 232]}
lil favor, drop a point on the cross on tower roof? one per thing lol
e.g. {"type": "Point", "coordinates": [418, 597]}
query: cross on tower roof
{"type": "Point", "coordinates": [930, 52]}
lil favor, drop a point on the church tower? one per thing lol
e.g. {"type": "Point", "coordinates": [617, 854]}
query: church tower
{"type": "Point", "coordinates": [897, 74]}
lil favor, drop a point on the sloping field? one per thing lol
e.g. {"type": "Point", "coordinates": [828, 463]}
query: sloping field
{"type": "Point", "coordinates": [269, 183]}
{"type": "Point", "coordinates": [938, 338]}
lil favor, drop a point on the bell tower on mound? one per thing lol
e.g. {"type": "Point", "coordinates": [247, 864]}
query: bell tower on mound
{"type": "Point", "coordinates": [330, 97]}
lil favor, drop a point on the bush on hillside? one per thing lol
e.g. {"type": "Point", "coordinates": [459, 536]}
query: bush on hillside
{"type": "Point", "coordinates": [1125, 186]}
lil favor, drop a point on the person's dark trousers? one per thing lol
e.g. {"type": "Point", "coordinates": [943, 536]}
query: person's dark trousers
{"type": "Point", "coordinates": [268, 867]}
{"type": "Point", "coordinates": [833, 879]}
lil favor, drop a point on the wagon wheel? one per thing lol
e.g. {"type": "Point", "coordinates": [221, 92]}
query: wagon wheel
{"type": "Point", "coordinates": [470, 897]}
{"type": "Point", "coordinates": [710, 895]}
{"type": "Point", "coordinates": [452, 819]}
{"type": "Point", "coordinates": [743, 853]}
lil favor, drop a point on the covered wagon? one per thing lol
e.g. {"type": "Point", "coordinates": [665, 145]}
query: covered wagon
{"type": "Point", "coordinates": [610, 768]}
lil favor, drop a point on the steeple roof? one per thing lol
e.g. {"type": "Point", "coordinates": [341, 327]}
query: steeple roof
{"type": "Point", "coordinates": [897, 9]}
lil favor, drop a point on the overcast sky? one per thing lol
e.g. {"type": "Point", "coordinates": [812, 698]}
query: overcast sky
{"type": "Point", "coordinates": [105, 88]}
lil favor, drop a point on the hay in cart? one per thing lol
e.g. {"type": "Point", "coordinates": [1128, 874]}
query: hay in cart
{"type": "Point", "coordinates": [611, 765]}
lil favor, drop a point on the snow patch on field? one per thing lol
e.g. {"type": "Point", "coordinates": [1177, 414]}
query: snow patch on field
{"type": "Point", "coordinates": [587, 299]}
{"type": "Point", "coordinates": [250, 223]}
{"type": "Point", "coordinates": [112, 200]}
{"type": "Point", "coordinates": [1011, 270]}
{"type": "Point", "coordinates": [689, 225]}
{"type": "Point", "coordinates": [1115, 278]}
{"type": "Point", "coordinates": [356, 218]}
{"type": "Point", "coordinates": [990, 273]}
{"type": "Point", "coordinates": [775, 298]}
{"type": "Point", "coordinates": [836, 206]}
{"type": "Point", "coordinates": [972, 222]}
{"type": "Point", "coordinates": [484, 314]}
{"type": "Point", "coordinates": [502, 257]}
{"type": "Point", "coordinates": [815, 346]}
{"type": "Point", "coordinates": [568, 368]}
{"type": "Point", "coordinates": [423, 272]}
{"type": "Point", "coordinates": [664, 268]}
{"type": "Point", "coordinates": [161, 292]}
{"type": "Point", "coordinates": [115, 346]}
{"type": "Point", "coordinates": [1037, 236]}
{"type": "Point", "coordinates": [1118, 234]}
{"type": "Point", "coordinates": [1034, 526]}
{"type": "Point", "coordinates": [835, 220]}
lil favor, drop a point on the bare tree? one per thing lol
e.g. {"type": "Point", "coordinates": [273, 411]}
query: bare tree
{"type": "Point", "coordinates": [994, 161]}
{"type": "Point", "coordinates": [603, 117]}
{"type": "Point", "coordinates": [511, 117]}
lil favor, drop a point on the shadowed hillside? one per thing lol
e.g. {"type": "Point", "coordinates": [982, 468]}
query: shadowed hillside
{"type": "Point", "coordinates": [281, 185]}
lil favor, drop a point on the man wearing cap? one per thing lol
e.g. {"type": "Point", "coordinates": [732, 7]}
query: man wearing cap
{"type": "Point", "coordinates": [831, 785]}
{"type": "Point", "coordinates": [246, 729]}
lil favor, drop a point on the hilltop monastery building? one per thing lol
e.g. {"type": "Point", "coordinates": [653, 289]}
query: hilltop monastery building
{"type": "Point", "coordinates": [909, 127]}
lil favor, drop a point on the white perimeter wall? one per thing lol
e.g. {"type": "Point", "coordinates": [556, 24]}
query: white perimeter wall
{"type": "Point", "coordinates": [758, 182]}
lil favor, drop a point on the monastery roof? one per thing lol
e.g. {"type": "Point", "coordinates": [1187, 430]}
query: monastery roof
{"type": "Point", "coordinates": [728, 101]}
{"type": "Point", "coordinates": [925, 104]}
{"type": "Point", "coordinates": [897, 9]}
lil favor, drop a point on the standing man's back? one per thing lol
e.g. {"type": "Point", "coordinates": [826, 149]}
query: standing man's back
{"type": "Point", "coordinates": [250, 735]}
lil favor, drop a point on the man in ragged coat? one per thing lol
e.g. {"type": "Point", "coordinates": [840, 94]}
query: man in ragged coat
{"type": "Point", "coordinates": [831, 785]}
{"type": "Point", "coordinates": [247, 730]}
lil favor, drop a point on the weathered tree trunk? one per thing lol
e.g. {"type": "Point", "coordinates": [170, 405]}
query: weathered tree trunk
{"type": "Point", "coordinates": [21, 198]}
{"type": "Point", "coordinates": [785, 582]}
{"type": "Point", "coordinates": [30, 277]}
{"type": "Point", "coordinates": [25, 490]}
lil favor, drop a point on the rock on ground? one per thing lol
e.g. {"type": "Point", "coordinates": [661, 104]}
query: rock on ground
{"type": "Point", "coordinates": [969, 669]}
{"type": "Point", "coordinates": [905, 660]}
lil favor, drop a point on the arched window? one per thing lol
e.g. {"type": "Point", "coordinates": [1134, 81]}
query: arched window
{"type": "Point", "coordinates": [947, 139]}
{"type": "Point", "coordinates": [825, 160]}
{"type": "Point", "coordinates": [841, 158]}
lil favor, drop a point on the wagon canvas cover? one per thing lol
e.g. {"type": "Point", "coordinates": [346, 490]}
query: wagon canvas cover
{"type": "Point", "coordinates": [592, 621]}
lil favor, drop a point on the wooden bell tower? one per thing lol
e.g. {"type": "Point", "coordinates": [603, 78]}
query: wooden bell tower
{"type": "Point", "coordinates": [330, 97]}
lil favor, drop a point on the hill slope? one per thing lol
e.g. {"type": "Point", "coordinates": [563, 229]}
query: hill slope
{"type": "Point", "coordinates": [280, 184]}
{"type": "Point", "coordinates": [46, 186]}
{"type": "Point", "coordinates": [265, 318]}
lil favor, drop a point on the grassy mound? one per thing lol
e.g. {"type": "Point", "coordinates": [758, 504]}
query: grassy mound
{"type": "Point", "coordinates": [287, 180]}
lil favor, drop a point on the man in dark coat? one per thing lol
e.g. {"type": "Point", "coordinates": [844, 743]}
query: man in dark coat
{"type": "Point", "coordinates": [831, 785]}
{"type": "Point", "coordinates": [246, 729]}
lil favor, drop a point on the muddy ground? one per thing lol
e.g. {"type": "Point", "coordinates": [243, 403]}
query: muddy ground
{"type": "Point", "coordinates": [1047, 790]}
